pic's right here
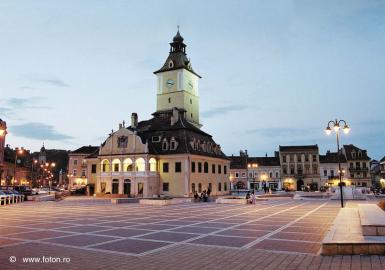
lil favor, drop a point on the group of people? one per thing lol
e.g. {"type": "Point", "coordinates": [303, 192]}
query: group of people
{"type": "Point", "coordinates": [204, 196]}
{"type": "Point", "coordinates": [250, 197]}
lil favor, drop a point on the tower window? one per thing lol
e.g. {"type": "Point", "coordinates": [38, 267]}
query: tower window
{"type": "Point", "coordinates": [169, 100]}
{"type": "Point", "coordinates": [171, 64]}
{"type": "Point", "coordinates": [191, 116]}
{"type": "Point", "coordinates": [190, 101]}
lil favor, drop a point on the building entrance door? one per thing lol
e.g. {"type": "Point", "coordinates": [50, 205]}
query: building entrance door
{"type": "Point", "coordinates": [127, 187]}
{"type": "Point", "coordinates": [140, 189]}
{"type": "Point", "coordinates": [300, 184]}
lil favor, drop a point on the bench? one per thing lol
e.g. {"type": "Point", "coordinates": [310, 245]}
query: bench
{"type": "Point", "coordinates": [124, 200]}
{"type": "Point", "coordinates": [372, 219]}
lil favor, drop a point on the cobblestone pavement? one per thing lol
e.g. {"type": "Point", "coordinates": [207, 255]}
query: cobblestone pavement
{"type": "Point", "coordinates": [93, 234]}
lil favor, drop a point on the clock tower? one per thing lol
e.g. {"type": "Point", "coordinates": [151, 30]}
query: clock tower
{"type": "Point", "coordinates": [177, 84]}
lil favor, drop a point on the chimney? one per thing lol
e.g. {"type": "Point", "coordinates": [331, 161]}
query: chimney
{"type": "Point", "coordinates": [175, 116]}
{"type": "Point", "coordinates": [134, 120]}
{"type": "Point", "coordinates": [120, 126]}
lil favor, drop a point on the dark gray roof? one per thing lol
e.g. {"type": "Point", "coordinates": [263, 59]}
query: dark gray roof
{"type": "Point", "coordinates": [86, 150]}
{"type": "Point", "coordinates": [177, 56]}
{"type": "Point", "coordinates": [182, 131]}
{"type": "Point", "coordinates": [349, 148]}
{"type": "Point", "coordinates": [331, 157]}
{"type": "Point", "coordinates": [383, 159]}
{"type": "Point", "coordinates": [298, 147]}
{"type": "Point", "coordinates": [239, 162]}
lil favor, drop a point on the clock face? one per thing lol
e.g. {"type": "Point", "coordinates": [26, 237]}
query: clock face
{"type": "Point", "coordinates": [170, 83]}
{"type": "Point", "coordinates": [190, 84]}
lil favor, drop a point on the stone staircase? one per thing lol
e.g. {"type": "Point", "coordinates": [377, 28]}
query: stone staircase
{"type": "Point", "coordinates": [359, 230]}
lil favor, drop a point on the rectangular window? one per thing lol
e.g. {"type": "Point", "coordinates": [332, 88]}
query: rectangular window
{"type": "Point", "coordinates": [357, 164]}
{"type": "Point", "coordinates": [243, 174]}
{"type": "Point", "coordinates": [314, 158]}
{"type": "Point", "coordinates": [299, 158]}
{"type": "Point", "coordinates": [219, 169]}
{"type": "Point", "coordinates": [93, 168]}
{"type": "Point", "coordinates": [306, 158]}
{"type": "Point", "coordinates": [332, 173]}
{"type": "Point", "coordinates": [225, 169]}
{"type": "Point", "coordinates": [212, 168]}
{"type": "Point", "coordinates": [165, 186]}
{"type": "Point", "coordinates": [178, 166]}
{"type": "Point", "coordinates": [165, 167]}
{"type": "Point", "coordinates": [75, 162]}
{"type": "Point", "coordinates": [83, 172]}
{"type": "Point", "coordinates": [291, 170]}
{"type": "Point", "coordinates": [364, 165]}
{"type": "Point", "coordinates": [325, 173]}
{"type": "Point", "coordinates": [271, 175]}
{"type": "Point", "coordinates": [199, 167]}
{"type": "Point", "coordinates": [192, 166]}
{"type": "Point", "coordinates": [283, 158]}
{"type": "Point", "coordinates": [74, 172]}
{"type": "Point", "coordinates": [155, 138]}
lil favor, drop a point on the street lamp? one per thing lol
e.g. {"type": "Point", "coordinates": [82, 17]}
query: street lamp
{"type": "Point", "coordinates": [336, 125]}
{"type": "Point", "coordinates": [17, 151]}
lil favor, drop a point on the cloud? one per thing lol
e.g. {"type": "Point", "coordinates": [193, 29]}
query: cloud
{"type": "Point", "coordinates": [45, 79]}
{"type": "Point", "coordinates": [38, 131]}
{"type": "Point", "coordinates": [25, 103]}
{"type": "Point", "coordinates": [223, 110]}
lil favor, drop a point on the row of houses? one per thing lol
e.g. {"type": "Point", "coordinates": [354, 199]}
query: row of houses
{"type": "Point", "coordinates": [301, 168]}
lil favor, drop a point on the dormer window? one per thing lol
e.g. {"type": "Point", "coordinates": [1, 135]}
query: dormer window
{"type": "Point", "coordinates": [359, 154]}
{"type": "Point", "coordinates": [165, 145]}
{"type": "Point", "coordinates": [171, 64]}
{"type": "Point", "coordinates": [155, 138]}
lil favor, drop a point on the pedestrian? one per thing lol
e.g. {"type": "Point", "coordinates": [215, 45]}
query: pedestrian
{"type": "Point", "coordinates": [248, 197]}
{"type": "Point", "coordinates": [253, 199]}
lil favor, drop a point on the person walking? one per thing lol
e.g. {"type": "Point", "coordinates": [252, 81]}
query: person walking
{"type": "Point", "coordinates": [253, 199]}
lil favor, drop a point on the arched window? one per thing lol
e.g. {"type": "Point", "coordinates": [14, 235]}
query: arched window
{"type": "Point", "coordinates": [115, 186]}
{"type": "Point", "coordinates": [193, 187]}
{"type": "Point", "coordinates": [116, 165]}
{"type": "Point", "coordinates": [152, 163]}
{"type": "Point", "coordinates": [219, 186]}
{"type": "Point", "coordinates": [200, 187]}
{"type": "Point", "coordinates": [140, 165]}
{"type": "Point", "coordinates": [105, 165]}
{"type": "Point", "coordinates": [128, 165]}
{"type": "Point", "coordinates": [206, 167]}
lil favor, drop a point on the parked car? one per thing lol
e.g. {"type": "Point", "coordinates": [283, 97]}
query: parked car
{"type": "Point", "coordinates": [25, 190]}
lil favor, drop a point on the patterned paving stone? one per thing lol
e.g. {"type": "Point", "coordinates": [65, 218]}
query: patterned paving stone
{"type": "Point", "coordinates": [169, 236]}
{"type": "Point", "coordinates": [299, 236]}
{"type": "Point", "coordinates": [292, 246]}
{"type": "Point", "coordinates": [122, 232]}
{"type": "Point", "coordinates": [38, 235]}
{"type": "Point", "coordinates": [243, 233]}
{"type": "Point", "coordinates": [134, 246]}
{"type": "Point", "coordinates": [195, 229]}
{"type": "Point", "coordinates": [81, 240]}
{"type": "Point", "coordinates": [82, 229]}
{"type": "Point", "coordinates": [11, 230]}
{"type": "Point", "coordinates": [223, 241]}
{"type": "Point", "coordinates": [5, 241]}
{"type": "Point", "coordinates": [154, 227]}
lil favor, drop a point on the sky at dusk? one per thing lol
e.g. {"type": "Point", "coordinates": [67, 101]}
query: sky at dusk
{"type": "Point", "coordinates": [273, 72]}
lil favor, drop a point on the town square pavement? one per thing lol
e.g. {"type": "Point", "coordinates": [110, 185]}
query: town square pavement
{"type": "Point", "coordinates": [87, 233]}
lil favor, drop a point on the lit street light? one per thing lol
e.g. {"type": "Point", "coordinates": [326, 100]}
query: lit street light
{"type": "Point", "coordinates": [336, 125]}
{"type": "Point", "coordinates": [17, 151]}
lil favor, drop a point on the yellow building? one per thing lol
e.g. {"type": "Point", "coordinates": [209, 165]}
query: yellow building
{"type": "Point", "coordinates": [168, 154]}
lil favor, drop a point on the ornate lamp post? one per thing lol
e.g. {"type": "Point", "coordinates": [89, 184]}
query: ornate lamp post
{"type": "Point", "coordinates": [19, 151]}
{"type": "Point", "coordinates": [336, 125]}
